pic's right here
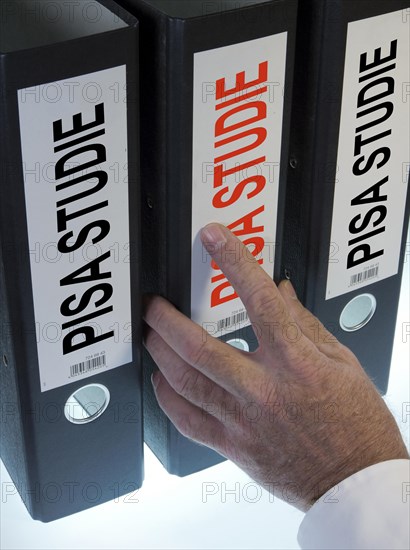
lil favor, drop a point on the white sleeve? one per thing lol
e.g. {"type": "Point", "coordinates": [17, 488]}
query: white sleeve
{"type": "Point", "coordinates": [368, 510]}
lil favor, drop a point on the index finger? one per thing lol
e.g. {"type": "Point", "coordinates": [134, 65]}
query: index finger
{"type": "Point", "coordinates": [264, 303]}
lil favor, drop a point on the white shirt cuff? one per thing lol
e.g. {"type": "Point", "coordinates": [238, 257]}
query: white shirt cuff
{"type": "Point", "coordinates": [368, 510]}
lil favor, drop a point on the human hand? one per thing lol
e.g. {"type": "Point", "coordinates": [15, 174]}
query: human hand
{"type": "Point", "coordinates": [298, 415]}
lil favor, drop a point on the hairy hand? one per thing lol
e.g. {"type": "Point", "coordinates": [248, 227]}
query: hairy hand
{"type": "Point", "coordinates": [299, 415]}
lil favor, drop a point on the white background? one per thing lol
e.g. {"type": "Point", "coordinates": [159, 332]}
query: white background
{"type": "Point", "coordinates": [170, 512]}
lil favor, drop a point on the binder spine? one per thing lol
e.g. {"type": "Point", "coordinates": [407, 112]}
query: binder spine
{"type": "Point", "coordinates": [63, 457]}
{"type": "Point", "coordinates": [155, 236]}
{"type": "Point", "coordinates": [183, 455]}
{"type": "Point", "coordinates": [16, 433]}
{"type": "Point", "coordinates": [153, 35]}
{"type": "Point", "coordinates": [173, 35]}
{"type": "Point", "coordinates": [178, 178]}
{"type": "Point", "coordinates": [12, 435]}
{"type": "Point", "coordinates": [313, 255]}
{"type": "Point", "coordinates": [299, 259]}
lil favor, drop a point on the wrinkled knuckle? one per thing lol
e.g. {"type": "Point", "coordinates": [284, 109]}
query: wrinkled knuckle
{"type": "Point", "coordinates": [186, 383]}
{"type": "Point", "coordinates": [213, 436]}
{"type": "Point", "coordinates": [185, 426]}
{"type": "Point", "coordinates": [348, 357]}
{"type": "Point", "coordinates": [268, 393]}
{"type": "Point", "coordinates": [216, 439]}
{"type": "Point", "coordinates": [200, 355]}
{"type": "Point", "coordinates": [304, 358]}
{"type": "Point", "coordinates": [309, 320]}
{"type": "Point", "coordinates": [262, 297]}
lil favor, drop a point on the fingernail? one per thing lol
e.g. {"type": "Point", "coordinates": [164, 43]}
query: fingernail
{"type": "Point", "coordinates": [213, 234]}
{"type": "Point", "coordinates": [290, 290]}
{"type": "Point", "coordinates": [155, 379]}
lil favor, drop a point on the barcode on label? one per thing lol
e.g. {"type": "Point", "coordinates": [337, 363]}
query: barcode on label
{"type": "Point", "coordinates": [364, 275]}
{"type": "Point", "coordinates": [229, 322]}
{"type": "Point", "coordinates": [86, 366]}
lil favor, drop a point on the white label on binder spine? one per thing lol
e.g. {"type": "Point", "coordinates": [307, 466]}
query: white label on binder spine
{"type": "Point", "coordinates": [238, 112]}
{"type": "Point", "coordinates": [74, 150]}
{"type": "Point", "coordinates": [373, 155]}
